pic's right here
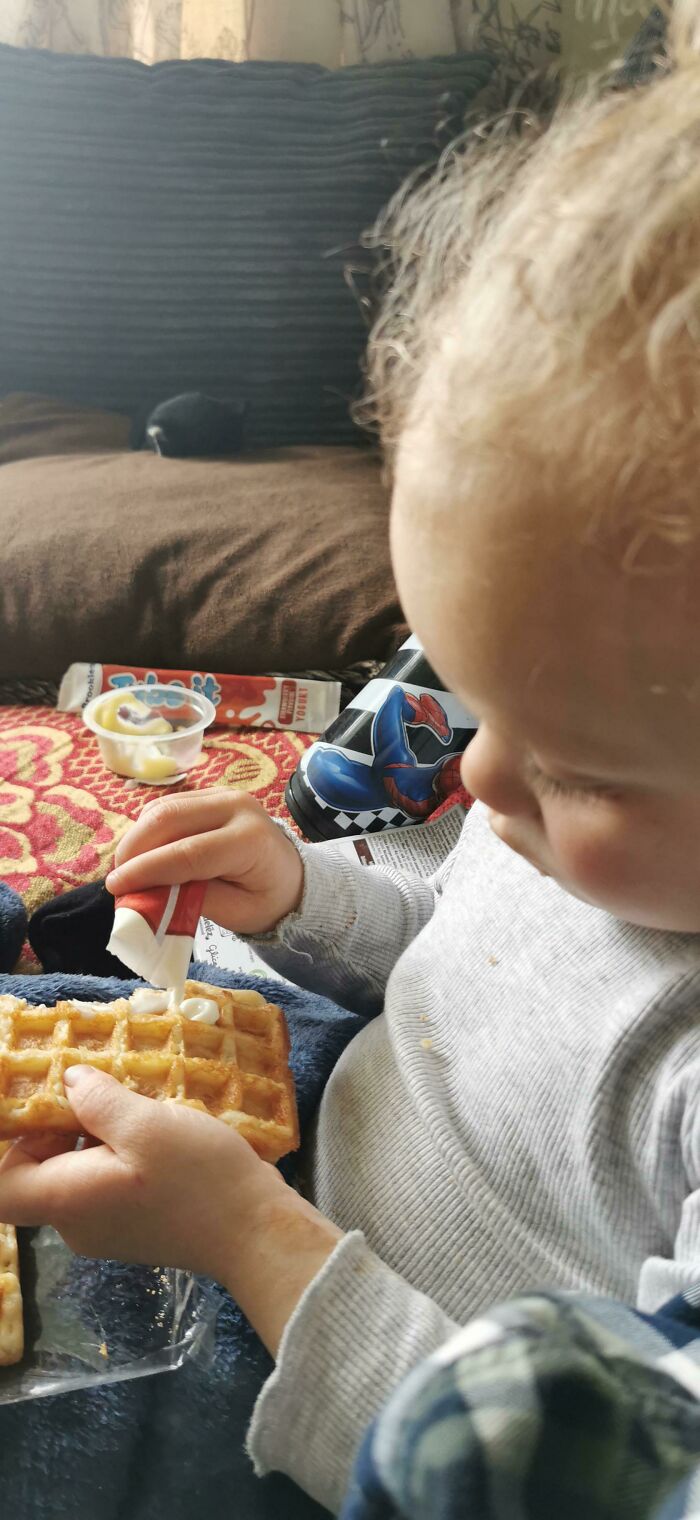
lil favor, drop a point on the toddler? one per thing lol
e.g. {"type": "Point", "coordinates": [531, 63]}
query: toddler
{"type": "Point", "coordinates": [524, 1109]}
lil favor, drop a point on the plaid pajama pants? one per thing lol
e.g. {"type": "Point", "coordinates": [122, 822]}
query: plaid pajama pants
{"type": "Point", "coordinates": [551, 1407]}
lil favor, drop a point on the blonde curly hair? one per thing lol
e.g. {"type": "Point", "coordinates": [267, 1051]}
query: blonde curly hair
{"type": "Point", "coordinates": [545, 303]}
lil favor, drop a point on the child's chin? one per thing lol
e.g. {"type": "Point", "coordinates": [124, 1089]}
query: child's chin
{"type": "Point", "coordinates": [508, 835]}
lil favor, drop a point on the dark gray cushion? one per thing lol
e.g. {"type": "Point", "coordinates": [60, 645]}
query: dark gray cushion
{"type": "Point", "coordinates": [186, 226]}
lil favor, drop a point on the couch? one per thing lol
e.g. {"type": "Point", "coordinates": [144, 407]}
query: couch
{"type": "Point", "coordinates": [189, 227]}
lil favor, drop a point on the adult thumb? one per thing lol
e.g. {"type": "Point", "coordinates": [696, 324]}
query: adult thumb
{"type": "Point", "coordinates": [103, 1106]}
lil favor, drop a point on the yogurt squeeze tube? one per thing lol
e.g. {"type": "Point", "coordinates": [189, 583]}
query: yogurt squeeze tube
{"type": "Point", "coordinates": [240, 701]}
{"type": "Point", "coordinates": [153, 934]}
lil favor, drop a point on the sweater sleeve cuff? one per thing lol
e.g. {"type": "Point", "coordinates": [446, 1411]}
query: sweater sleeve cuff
{"type": "Point", "coordinates": [329, 906]}
{"type": "Point", "coordinates": [356, 1331]}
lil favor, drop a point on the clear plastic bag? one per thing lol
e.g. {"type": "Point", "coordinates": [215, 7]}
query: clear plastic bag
{"type": "Point", "coordinates": [91, 1322]}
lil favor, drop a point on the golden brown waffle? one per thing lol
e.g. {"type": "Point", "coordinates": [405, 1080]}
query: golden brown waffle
{"type": "Point", "coordinates": [237, 1069]}
{"type": "Point", "coordinates": [11, 1323]}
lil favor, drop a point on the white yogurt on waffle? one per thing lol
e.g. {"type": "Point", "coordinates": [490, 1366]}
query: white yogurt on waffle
{"type": "Point", "coordinates": [201, 1010]}
{"type": "Point", "coordinates": [150, 1000]}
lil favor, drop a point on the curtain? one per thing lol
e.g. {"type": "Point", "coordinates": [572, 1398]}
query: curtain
{"type": "Point", "coordinates": [528, 33]}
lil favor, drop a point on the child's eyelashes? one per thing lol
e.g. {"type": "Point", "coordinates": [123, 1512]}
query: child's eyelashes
{"type": "Point", "coordinates": [578, 791]}
{"type": "Point", "coordinates": [548, 786]}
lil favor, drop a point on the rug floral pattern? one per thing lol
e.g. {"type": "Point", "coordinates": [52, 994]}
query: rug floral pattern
{"type": "Point", "coordinates": [62, 812]}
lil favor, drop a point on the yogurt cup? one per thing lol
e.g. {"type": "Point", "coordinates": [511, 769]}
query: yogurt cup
{"type": "Point", "coordinates": [160, 754]}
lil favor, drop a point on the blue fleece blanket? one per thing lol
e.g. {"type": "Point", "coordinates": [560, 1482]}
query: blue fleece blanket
{"type": "Point", "coordinates": [172, 1445]}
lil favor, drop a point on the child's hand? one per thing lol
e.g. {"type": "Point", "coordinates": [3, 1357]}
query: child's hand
{"type": "Point", "coordinates": [170, 1186]}
{"type": "Point", "coordinates": [255, 874]}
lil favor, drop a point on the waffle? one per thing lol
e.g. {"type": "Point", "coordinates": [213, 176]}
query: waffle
{"type": "Point", "coordinates": [237, 1069]}
{"type": "Point", "coordinates": [11, 1325]}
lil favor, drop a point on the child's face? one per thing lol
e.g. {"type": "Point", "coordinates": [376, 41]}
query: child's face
{"type": "Point", "coordinates": [586, 683]}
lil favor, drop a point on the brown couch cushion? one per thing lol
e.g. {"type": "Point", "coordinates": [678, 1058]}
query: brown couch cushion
{"type": "Point", "coordinates": [32, 425]}
{"type": "Point", "coordinates": [277, 562]}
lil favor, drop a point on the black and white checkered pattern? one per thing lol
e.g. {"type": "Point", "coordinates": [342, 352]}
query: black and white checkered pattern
{"type": "Point", "coordinates": [370, 821]}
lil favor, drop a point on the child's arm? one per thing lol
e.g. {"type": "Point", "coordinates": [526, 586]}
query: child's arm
{"type": "Point", "coordinates": [351, 926]}
{"type": "Point", "coordinates": [169, 1184]}
{"type": "Point", "coordinates": [329, 925]}
{"type": "Point", "coordinates": [172, 1185]}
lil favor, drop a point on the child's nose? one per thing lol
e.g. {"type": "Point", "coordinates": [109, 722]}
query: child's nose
{"type": "Point", "coordinates": [491, 773]}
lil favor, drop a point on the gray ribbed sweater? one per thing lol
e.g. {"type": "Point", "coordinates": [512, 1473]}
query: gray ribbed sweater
{"type": "Point", "coordinates": [523, 1112]}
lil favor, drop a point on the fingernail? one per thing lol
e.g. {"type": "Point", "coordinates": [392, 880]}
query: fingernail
{"type": "Point", "coordinates": [75, 1074]}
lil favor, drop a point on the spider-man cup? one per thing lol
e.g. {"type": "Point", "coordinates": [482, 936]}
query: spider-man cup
{"type": "Point", "coordinates": [389, 760]}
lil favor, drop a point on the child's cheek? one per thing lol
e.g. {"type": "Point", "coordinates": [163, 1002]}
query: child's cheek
{"type": "Point", "coordinates": [594, 852]}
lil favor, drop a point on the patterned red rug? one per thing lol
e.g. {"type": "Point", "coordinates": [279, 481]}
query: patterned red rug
{"type": "Point", "coordinates": [62, 811]}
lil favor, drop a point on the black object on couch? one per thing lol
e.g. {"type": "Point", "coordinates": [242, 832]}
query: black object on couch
{"type": "Point", "coordinates": [192, 426]}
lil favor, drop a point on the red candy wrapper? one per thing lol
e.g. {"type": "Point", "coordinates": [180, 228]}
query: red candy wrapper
{"type": "Point", "coordinates": [154, 932]}
{"type": "Point", "coordinates": [240, 701]}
